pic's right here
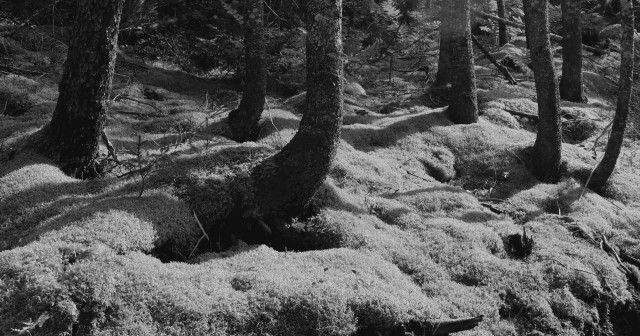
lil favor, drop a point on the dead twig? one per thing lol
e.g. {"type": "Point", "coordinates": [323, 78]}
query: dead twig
{"type": "Point", "coordinates": [137, 101]}
{"type": "Point", "coordinates": [533, 117]}
{"type": "Point", "coordinates": [204, 235]}
{"type": "Point", "coordinates": [110, 147]}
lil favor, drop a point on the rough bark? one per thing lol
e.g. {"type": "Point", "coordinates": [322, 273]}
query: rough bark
{"type": "Point", "coordinates": [457, 37]}
{"type": "Point", "coordinates": [571, 81]}
{"type": "Point", "coordinates": [72, 137]}
{"type": "Point", "coordinates": [243, 121]}
{"type": "Point", "coordinates": [285, 183]}
{"type": "Point", "coordinates": [605, 168]}
{"type": "Point", "coordinates": [443, 75]}
{"type": "Point", "coordinates": [546, 154]}
{"type": "Point", "coordinates": [503, 35]}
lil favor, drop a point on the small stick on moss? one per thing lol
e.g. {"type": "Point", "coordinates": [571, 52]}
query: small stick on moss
{"type": "Point", "coordinates": [420, 177]}
{"type": "Point", "coordinates": [204, 234]}
{"type": "Point", "coordinates": [138, 101]}
{"type": "Point", "coordinates": [572, 268]}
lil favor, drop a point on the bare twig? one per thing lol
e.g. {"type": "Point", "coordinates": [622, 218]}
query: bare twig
{"type": "Point", "coordinates": [204, 235]}
{"type": "Point", "coordinates": [109, 146]}
{"type": "Point", "coordinates": [138, 101]}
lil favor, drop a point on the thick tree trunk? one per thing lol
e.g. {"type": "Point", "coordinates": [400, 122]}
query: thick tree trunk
{"type": "Point", "coordinates": [571, 82]}
{"type": "Point", "coordinates": [244, 120]}
{"type": "Point", "coordinates": [463, 109]}
{"type": "Point", "coordinates": [527, 22]}
{"type": "Point", "coordinates": [546, 154]}
{"type": "Point", "coordinates": [443, 76]}
{"type": "Point", "coordinates": [285, 183]}
{"type": "Point", "coordinates": [605, 167]}
{"type": "Point", "coordinates": [503, 35]}
{"type": "Point", "coordinates": [72, 137]}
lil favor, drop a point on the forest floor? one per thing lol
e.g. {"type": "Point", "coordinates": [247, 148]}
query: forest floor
{"type": "Point", "coordinates": [417, 220]}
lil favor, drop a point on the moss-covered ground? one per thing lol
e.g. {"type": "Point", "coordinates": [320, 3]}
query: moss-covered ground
{"type": "Point", "coordinates": [413, 223]}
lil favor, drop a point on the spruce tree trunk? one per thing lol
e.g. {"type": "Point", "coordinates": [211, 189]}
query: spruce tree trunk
{"type": "Point", "coordinates": [244, 120]}
{"type": "Point", "coordinates": [527, 22]}
{"type": "Point", "coordinates": [463, 106]}
{"type": "Point", "coordinates": [72, 137]}
{"type": "Point", "coordinates": [571, 82]}
{"type": "Point", "coordinates": [503, 36]}
{"type": "Point", "coordinates": [546, 154]}
{"type": "Point", "coordinates": [443, 76]}
{"type": "Point", "coordinates": [285, 183]}
{"type": "Point", "coordinates": [606, 166]}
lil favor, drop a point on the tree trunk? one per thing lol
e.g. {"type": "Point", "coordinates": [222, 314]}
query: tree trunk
{"type": "Point", "coordinates": [527, 22]}
{"type": "Point", "coordinates": [547, 149]}
{"type": "Point", "coordinates": [605, 167]}
{"type": "Point", "coordinates": [285, 183]}
{"type": "Point", "coordinates": [571, 82]}
{"type": "Point", "coordinates": [463, 109]}
{"type": "Point", "coordinates": [443, 76]}
{"type": "Point", "coordinates": [72, 137]}
{"type": "Point", "coordinates": [503, 35]}
{"type": "Point", "coordinates": [244, 120]}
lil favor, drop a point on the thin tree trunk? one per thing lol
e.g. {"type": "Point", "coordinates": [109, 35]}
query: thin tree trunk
{"type": "Point", "coordinates": [605, 168]}
{"type": "Point", "coordinates": [244, 120]}
{"type": "Point", "coordinates": [571, 82]}
{"type": "Point", "coordinates": [72, 137]}
{"type": "Point", "coordinates": [547, 149]}
{"type": "Point", "coordinates": [443, 76]}
{"type": "Point", "coordinates": [503, 35]}
{"type": "Point", "coordinates": [527, 22]}
{"type": "Point", "coordinates": [285, 183]}
{"type": "Point", "coordinates": [463, 109]}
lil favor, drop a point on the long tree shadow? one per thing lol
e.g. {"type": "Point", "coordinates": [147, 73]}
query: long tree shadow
{"type": "Point", "coordinates": [369, 137]}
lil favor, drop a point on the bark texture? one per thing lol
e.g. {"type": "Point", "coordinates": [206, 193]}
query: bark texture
{"type": "Point", "coordinates": [285, 183]}
{"type": "Point", "coordinates": [456, 34]}
{"type": "Point", "coordinates": [71, 138]}
{"type": "Point", "coordinates": [605, 168]}
{"type": "Point", "coordinates": [443, 75]}
{"type": "Point", "coordinates": [547, 149]}
{"type": "Point", "coordinates": [243, 121]}
{"type": "Point", "coordinates": [503, 36]}
{"type": "Point", "coordinates": [571, 82]}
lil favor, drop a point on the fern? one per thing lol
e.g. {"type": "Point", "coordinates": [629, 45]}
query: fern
{"type": "Point", "coordinates": [390, 10]}
{"type": "Point", "coordinates": [233, 12]}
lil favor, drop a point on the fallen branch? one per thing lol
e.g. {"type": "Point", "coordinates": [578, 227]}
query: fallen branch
{"type": "Point", "coordinates": [139, 102]}
{"type": "Point", "coordinates": [499, 66]}
{"type": "Point", "coordinates": [141, 113]}
{"type": "Point", "coordinates": [607, 248]}
{"type": "Point", "coordinates": [553, 37]}
{"type": "Point", "coordinates": [628, 258]}
{"type": "Point", "coordinates": [442, 328]}
{"type": "Point", "coordinates": [21, 71]}
{"type": "Point", "coordinates": [420, 177]}
{"type": "Point", "coordinates": [533, 117]}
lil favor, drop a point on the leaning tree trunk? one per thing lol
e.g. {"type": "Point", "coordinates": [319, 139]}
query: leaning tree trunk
{"type": "Point", "coordinates": [244, 120]}
{"type": "Point", "coordinates": [463, 106]}
{"type": "Point", "coordinates": [72, 137]}
{"type": "Point", "coordinates": [285, 183]}
{"type": "Point", "coordinates": [571, 82]}
{"type": "Point", "coordinates": [547, 149]}
{"type": "Point", "coordinates": [605, 168]}
{"type": "Point", "coordinates": [503, 35]}
{"type": "Point", "coordinates": [443, 76]}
